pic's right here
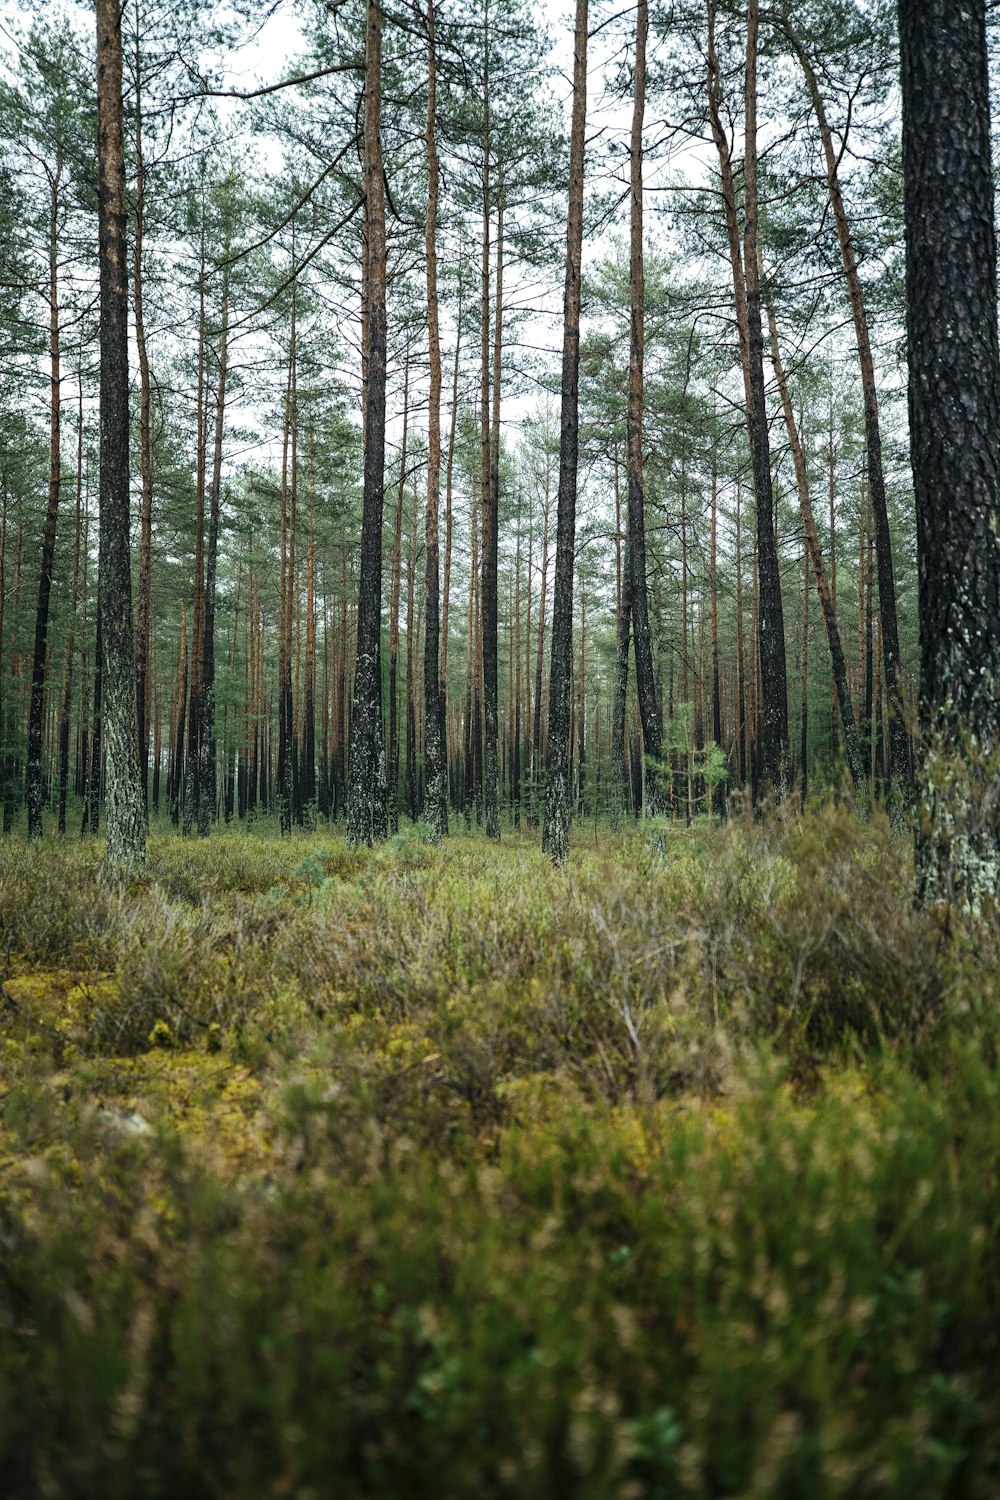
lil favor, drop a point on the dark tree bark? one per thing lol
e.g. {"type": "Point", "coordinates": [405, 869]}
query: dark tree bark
{"type": "Point", "coordinates": [126, 818]}
{"type": "Point", "coordinates": [285, 780]}
{"type": "Point", "coordinates": [435, 768]}
{"type": "Point", "coordinates": [207, 746]}
{"type": "Point", "coordinates": [177, 775]}
{"type": "Point", "coordinates": [619, 766]}
{"type": "Point", "coordinates": [36, 711]}
{"type": "Point", "coordinates": [536, 727]}
{"type": "Point", "coordinates": [771, 730]}
{"type": "Point", "coordinates": [144, 588]}
{"type": "Point", "coordinates": [70, 651]}
{"type": "Point", "coordinates": [395, 591]}
{"type": "Point", "coordinates": [954, 399]}
{"type": "Point", "coordinates": [645, 678]}
{"type": "Point", "coordinates": [488, 588]}
{"type": "Point", "coordinates": [446, 589]}
{"type": "Point", "coordinates": [491, 522]}
{"type": "Point", "coordinates": [555, 835]}
{"type": "Point", "coordinates": [307, 759]}
{"type": "Point", "coordinates": [366, 807]}
{"type": "Point", "coordinates": [412, 631]}
{"type": "Point", "coordinates": [741, 692]}
{"type": "Point", "coordinates": [92, 794]}
{"type": "Point", "coordinates": [190, 777]}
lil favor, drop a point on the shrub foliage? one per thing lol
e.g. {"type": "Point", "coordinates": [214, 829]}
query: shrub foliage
{"type": "Point", "coordinates": [436, 1172]}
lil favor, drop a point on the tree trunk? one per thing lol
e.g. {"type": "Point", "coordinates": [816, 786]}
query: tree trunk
{"type": "Point", "coordinates": [144, 587]}
{"type": "Point", "coordinates": [435, 765]}
{"type": "Point", "coordinates": [395, 589]}
{"type": "Point", "coordinates": [126, 821]}
{"type": "Point", "coordinates": [177, 778]}
{"type": "Point", "coordinates": [899, 745]}
{"type": "Point", "coordinates": [366, 806]}
{"type": "Point", "coordinates": [954, 367]}
{"type": "Point", "coordinates": [852, 744]}
{"type": "Point", "coordinates": [36, 713]}
{"type": "Point", "coordinates": [642, 638]}
{"type": "Point", "coordinates": [207, 747]}
{"type": "Point", "coordinates": [619, 765]}
{"type": "Point", "coordinates": [67, 693]}
{"type": "Point", "coordinates": [555, 839]}
{"type": "Point", "coordinates": [410, 772]}
{"type": "Point", "coordinates": [804, 747]}
{"type": "Point", "coordinates": [771, 737]}
{"type": "Point", "coordinates": [536, 734]}
{"type": "Point", "coordinates": [307, 759]}
{"type": "Point", "coordinates": [491, 513]}
{"type": "Point", "coordinates": [446, 597]}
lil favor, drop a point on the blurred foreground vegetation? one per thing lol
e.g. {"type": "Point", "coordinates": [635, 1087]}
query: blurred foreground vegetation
{"type": "Point", "coordinates": [438, 1172]}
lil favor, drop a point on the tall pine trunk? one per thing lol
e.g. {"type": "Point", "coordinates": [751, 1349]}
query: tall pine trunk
{"type": "Point", "coordinates": [207, 747]}
{"type": "Point", "coordinates": [555, 835]}
{"type": "Point", "coordinates": [435, 768]}
{"type": "Point", "coordinates": [771, 729]}
{"type": "Point", "coordinates": [852, 745]}
{"type": "Point", "coordinates": [954, 400]}
{"type": "Point", "coordinates": [898, 739]}
{"type": "Point", "coordinates": [366, 807]}
{"type": "Point", "coordinates": [126, 820]}
{"type": "Point", "coordinates": [642, 638]}
{"type": "Point", "coordinates": [36, 711]}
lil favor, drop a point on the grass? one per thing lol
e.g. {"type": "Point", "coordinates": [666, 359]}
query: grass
{"type": "Point", "coordinates": [437, 1172]}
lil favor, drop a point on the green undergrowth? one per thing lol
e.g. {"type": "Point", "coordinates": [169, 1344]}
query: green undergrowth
{"type": "Point", "coordinates": [434, 1171]}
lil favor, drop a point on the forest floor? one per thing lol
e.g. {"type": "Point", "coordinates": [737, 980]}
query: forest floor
{"type": "Point", "coordinates": [439, 1172]}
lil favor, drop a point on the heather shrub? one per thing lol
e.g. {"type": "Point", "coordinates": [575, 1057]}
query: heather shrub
{"type": "Point", "coordinates": [435, 1171]}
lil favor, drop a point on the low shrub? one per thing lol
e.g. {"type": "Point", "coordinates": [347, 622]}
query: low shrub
{"type": "Point", "coordinates": [436, 1171]}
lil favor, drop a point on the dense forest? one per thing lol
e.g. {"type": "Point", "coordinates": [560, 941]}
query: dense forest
{"type": "Point", "coordinates": [707, 579]}
{"type": "Point", "coordinates": [499, 750]}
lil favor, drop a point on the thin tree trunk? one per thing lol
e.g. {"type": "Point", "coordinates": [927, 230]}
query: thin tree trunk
{"type": "Point", "coordinates": [144, 587]}
{"type": "Point", "coordinates": [435, 760]}
{"type": "Point", "coordinates": [67, 692]}
{"type": "Point", "coordinates": [307, 759]}
{"type": "Point", "coordinates": [446, 596]}
{"type": "Point", "coordinates": [395, 589]}
{"type": "Point", "coordinates": [804, 750]}
{"type": "Point", "coordinates": [771, 737]}
{"type": "Point", "coordinates": [536, 739]}
{"type": "Point", "coordinates": [366, 805]}
{"type": "Point", "coordinates": [832, 487]}
{"type": "Point", "coordinates": [714, 607]}
{"type": "Point", "coordinates": [741, 699]}
{"type": "Point", "coordinates": [642, 638]}
{"type": "Point", "coordinates": [899, 744]}
{"type": "Point", "coordinates": [410, 774]}
{"type": "Point", "coordinates": [555, 840]}
{"type": "Point", "coordinates": [36, 714]}
{"type": "Point", "coordinates": [126, 822]}
{"type": "Point", "coordinates": [207, 747]}
{"type": "Point", "coordinates": [176, 789]}
{"type": "Point", "coordinates": [852, 744]}
{"type": "Point", "coordinates": [491, 512]}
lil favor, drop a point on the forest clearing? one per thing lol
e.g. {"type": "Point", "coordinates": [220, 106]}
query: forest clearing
{"type": "Point", "coordinates": [499, 750]}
